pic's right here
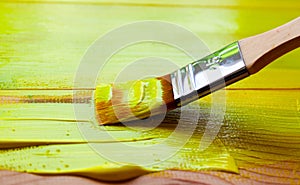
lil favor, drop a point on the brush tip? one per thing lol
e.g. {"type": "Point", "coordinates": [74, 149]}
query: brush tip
{"type": "Point", "coordinates": [133, 100]}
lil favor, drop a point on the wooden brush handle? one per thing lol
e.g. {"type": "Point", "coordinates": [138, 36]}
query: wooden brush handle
{"type": "Point", "coordinates": [258, 51]}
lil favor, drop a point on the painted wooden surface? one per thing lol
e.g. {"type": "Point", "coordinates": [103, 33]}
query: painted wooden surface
{"type": "Point", "coordinates": [42, 42]}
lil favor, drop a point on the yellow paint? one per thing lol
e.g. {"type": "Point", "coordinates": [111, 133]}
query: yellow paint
{"type": "Point", "coordinates": [128, 101]}
{"type": "Point", "coordinates": [56, 160]}
{"type": "Point", "coordinates": [81, 159]}
{"type": "Point", "coordinates": [41, 46]}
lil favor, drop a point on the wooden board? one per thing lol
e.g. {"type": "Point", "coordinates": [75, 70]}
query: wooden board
{"type": "Point", "coordinates": [42, 43]}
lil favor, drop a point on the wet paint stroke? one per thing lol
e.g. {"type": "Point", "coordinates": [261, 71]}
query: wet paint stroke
{"type": "Point", "coordinates": [238, 142]}
{"type": "Point", "coordinates": [71, 154]}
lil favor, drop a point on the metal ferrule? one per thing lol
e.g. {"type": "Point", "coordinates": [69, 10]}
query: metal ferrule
{"type": "Point", "coordinates": [208, 74]}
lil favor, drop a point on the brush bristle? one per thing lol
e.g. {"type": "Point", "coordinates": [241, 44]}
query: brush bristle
{"type": "Point", "coordinates": [133, 100]}
{"type": "Point", "coordinates": [167, 89]}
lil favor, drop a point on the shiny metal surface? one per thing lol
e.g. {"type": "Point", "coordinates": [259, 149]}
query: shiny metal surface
{"type": "Point", "coordinates": [208, 74]}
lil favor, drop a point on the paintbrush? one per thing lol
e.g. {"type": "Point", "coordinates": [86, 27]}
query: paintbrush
{"type": "Point", "coordinates": [142, 98]}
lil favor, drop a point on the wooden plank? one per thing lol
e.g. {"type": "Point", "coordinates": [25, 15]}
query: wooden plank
{"type": "Point", "coordinates": [250, 123]}
{"type": "Point", "coordinates": [248, 4]}
{"type": "Point", "coordinates": [50, 37]}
